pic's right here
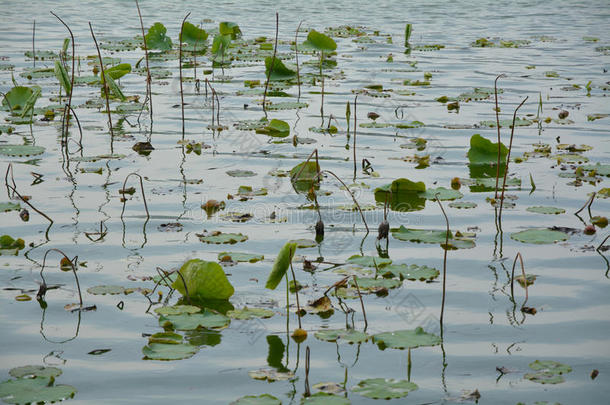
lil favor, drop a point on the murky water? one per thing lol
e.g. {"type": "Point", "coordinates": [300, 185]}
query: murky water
{"type": "Point", "coordinates": [483, 328]}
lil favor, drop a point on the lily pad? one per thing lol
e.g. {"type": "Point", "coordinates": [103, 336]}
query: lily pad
{"type": "Point", "coordinates": [384, 388]}
{"type": "Point", "coordinates": [539, 236]}
{"type": "Point", "coordinates": [240, 257]}
{"type": "Point", "coordinates": [320, 42]}
{"type": "Point", "coordinates": [279, 71]}
{"type": "Point", "coordinates": [21, 150]}
{"type": "Point", "coordinates": [241, 173]}
{"type": "Point", "coordinates": [406, 339]}
{"type": "Point", "coordinates": [350, 336]}
{"type": "Point", "coordinates": [165, 351]}
{"type": "Point", "coordinates": [9, 206]}
{"type": "Point", "coordinates": [270, 374]}
{"type": "Point", "coordinates": [106, 289]}
{"type": "Point", "coordinates": [220, 237]}
{"type": "Point", "coordinates": [444, 194]}
{"type": "Point", "coordinates": [250, 313]}
{"type": "Point", "coordinates": [263, 399]}
{"type": "Point", "coordinates": [177, 310]}
{"type": "Point", "coordinates": [544, 378]}
{"type": "Point", "coordinates": [323, 398]}
{"type": "Point", "coordinates": [275, 128]}
{"type": "Point", "coordinates": [546, 210]}
{"type": "Point", "coordinates": [34, 371]}
{"type": "Point", "coordinates": [204, 280]}
{"type": "Point", "coordinates": [165, 338]}
{"type": "Point", "coordinates": [412, 272]}
{"type": "Point", "coordinates": [375, 284]}
{"type": "Point", "coordinates": [421, 235]}
{"type": "Point", "coordinates": [601, 169]}
{"type": "Point", "coordinates": [206, 319]}
{"type": "Point", "coordinates": [463, 205]}
{"type": "Point", "coordinates": [34, 390]}
{"type": "Point", "coordinates": [369, 261]}
{"type": "Point", "coordinates": [550, 366]}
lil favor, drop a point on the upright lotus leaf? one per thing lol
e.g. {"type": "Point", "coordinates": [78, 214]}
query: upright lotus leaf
{"type": "Point", "coordinates": [384, 388]}
{"type": "Point", "coordinates": [204, 280]}
{"type": "Point", "coordinates": [21, 99]}
{"type": "Point", "coordinates": [62, 75]}
{"type": "Point", "coordinates": [320, 42]}
{"type": "Point", "coordinates": [220, 45]}
{"type": "Point", "coordinates": [34, 390]}
{"type": "Point", "coordinates": [280, 71]}
{"type": "Point", "coordinates": [406, 339]}
{"type": "Point", "coordinates": [403, 195]}
{"type": "Point", "coordinates": [280, 266]}
{"type": "Point", "coordinates": [483, 151]}
{"type": "Point", "coordinates": [10, 246]}
{"type": "Point", "coordinates": [304, 176]}
{"type": "Point", "coordinates": [229, 28]}
{"type": "Point", "coordinates": [156, 38]}
{"type": "Point", "coordinates": [115, 90]}
{"type": "Point", "coordinates": [118, 71]}
{"type": "Point", "coordinates": [276, 129]}
{"type": "Point", "coordinates": [193, 35]}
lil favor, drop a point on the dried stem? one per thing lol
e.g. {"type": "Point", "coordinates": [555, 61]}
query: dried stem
{"type": "Point", "coordinates": [277, 21]}
{"type": "Point", "coordinates": [512, 278]}
{"type": "Point", "coordinates": [296, 56]}
{"type": "Point", "coordinates": [13, 189]}
{"type": "Point", "coordinates": [510, 147]}
{"type": "Point", "coordinates": [497, 110]}
{"type": "Point", "coordinates": [105, 84]}
{"type": "Point", "coordinates": [355, 104]}
{"type": "Point", "coordinates": [587, 204]}
{"type": "Point", "coordinates": [33, 43]}
{"type": "Point", "coordinates": [148, 76]}
{"type": "Point", "coordinates": [307, 391]}
{"type": "Point", "coordinates": [72, 76]}
{"type": "Point", "coordinates": [180, 67]}
{"type": "Point", "coordinates": [444, 258]}
{"type": "Point", "coordinates": [141, 190]}
{"type": "Point", "coordinates": [366, 323]}
{"type": "Point", "coordinates": [72, 266]}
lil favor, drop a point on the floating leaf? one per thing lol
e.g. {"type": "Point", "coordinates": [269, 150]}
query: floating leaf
{"type": "Point", "coordinates": [412, 272]}
{"type": "Point", "coordinates": [177, 310]}
{"type": "Point", "coordinates": [539, 236]}
{"type": "Point", "coordinates": [421, 235]}
{"type": "Point", "coordinates": [240, 257]}
{"type": "Point", "coordinates": [156, 38]}
{"type": "Point", "coordinates": [34, 371]}
{"type": "Point", "coordinates": [406, 339]}
{"type": "Point", "coordinates": [323, 398]}
{"type": "Point", "coordinates": [544, 378]}
{"type": "Point", "coordinates": [375, 284]}
{"type": "Point", "coordinates": [220, 237]}
{"type": "Point", "coordinates": [21, 150]}
{"type": "Point", "coordinates": [275, 128]}
{"type": "Point", "coordinates": [601, 169]}
{"type": "Point", "coordinates": [164, 351]}
{"type": "Point", "coordinates": [241, 173]}
{"type": "Point", "coordinates": [170, 338]}
{"type": "Point", "coordinates": [384, 388]}
{"type": "Point", "coordinates": [206, 319]}
{"type": "Point", "coordinates": [546, 210]}
{"type": "Point", "coordinates": [444, 194]}
{"type": "Point", "coordinates": [369, 261]}
{"type": "Point", "coordinates": [550, 366]}
{"type": "Point", "coordinates": [9, 206]}
{"type": "Point", "coordinates": [204, 280]}
{"type": "Point", "coordinates": [270, 374]}
{"type": "Point", "coordinates": [250, 313]}
{"type": "Point", "coordinates": [403, 195]}
{"type": "Point", "coordinates": [263, 399]}
{"type": "Point", "coordinates": [106, 289]}
{"type": "Point", "coordinates": [344, 335]}
{"type": "Point", "coordinates": [463, 205]}
{"type": "Point", "coordinates": [281, 264]}
{"type": "Point", "coordinates": [34, 390]}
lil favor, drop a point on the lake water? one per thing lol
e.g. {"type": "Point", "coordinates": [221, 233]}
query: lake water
{"type": "Point", "coordinates": [558, 47]}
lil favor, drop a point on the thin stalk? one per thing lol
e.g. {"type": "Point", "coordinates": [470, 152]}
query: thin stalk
{"type": "Point", "coordinates": [322, 78]}
{"type": "Point", "coordinates": [350, 193]}
{"type": "Point", "coordinates": [296, 56]}
{"type": "Point", "coordinates": [33, 43]}
{"type": "Point", "coordinates": [498, 128]}
{"type": "Point", "coordinates": [72, 77]}
{"type": "Point", "coordinates": [148, 76]}
{"type": "Point", "coordinates": [180, 67]}
{"type": "Point", "coordinates": [307, 391]}
{"type": "Point", "coordinates": [366, 323]}
{"type": "Point", "coordinates": [141, 190]}
{"type": "Point", "coordinates": [510, 146]}
{"type": "Point", "coordinates": [315, 152]}
{"type": "Point", "coordinates": [72, 266]}
{"type": "Point", "coordinates": [106, 90]}
{"type": "Point", "coordinates": [444, 259]}
{"type": "Point", "coordinates": [13, 189]}
{"type": "Point", "coordinates": [512, 278]}
{"type": "Point", "coordinates": [277, 21]}
{"type": "Point", "coordinates": [587, 204]}
{"type": "Point", "coordinates": [355, 103]}
{"type": "Point", "coordinates": [296, 292]}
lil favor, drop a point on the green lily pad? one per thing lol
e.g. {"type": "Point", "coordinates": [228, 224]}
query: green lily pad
{"type": "Point", "coordinates": [240, 257]}
{"type": "Point", "coordinates": [194, 36]}
{"type": "Point", "coordinates": [412, 272]}
{"type": "Point", "coordinates": [286, 105]}
{"type": "Point", "coordinates": [156, 38]}
{"type": "Point", "coordinates": [305, 175]}
{"type": "Point", "coordinates": [241, 173]}
{"type": "Point", "coordinates": [483, 151]}
{"type": "Point", "coordinates": [270, 374]}
{"type": "Point", "coordinates": [207, 319]}
{"type": "Point", "coordinates": [550, 366]}
{"type": "Point", "coordinates": [350, 336]}
{"type": "Point", "coordinates": [275, 128]}
{"type": "Point", "coordinates": [384, 388]}
{"type": "Point", "coordinates": [177, 310]}
{"type": "Point", "coordinates": [168, 351]}
{"type": "Point", "coordinates": [463, 205]}
{"type": "Point", "coordinates": [323, 398]}
{"type": "Point", "coordinates": [368, 261]}
{"type": "Point", "coordinates": [601, 169]}
{"type": "Point", "coordinates": [373, 284]}
{"type": "Point", "coordinates": [220, 237]}
{"type": "Point", "coordinates": [542, 377]}
{"type": "Point", "coordinates": [10, 246]}
{"type": "Point", "coordinates": [9, 206]}
{"type": "Point", "coordinates": [263, 399]}
{"type": "Point", "coordinates": [250, 313]}
{"type": "Point", "coordinates": [169, 338]}
{"type": "Point", "coordinates": [539, 236]}
{"type": "Point", "coordinates": [34, 371]}
{"type": "Point", "coordinates": [281, 264]}
{"type": "Point", "coordinates": [421, 235]}
{"type": "Point", "coordinates": [320, 42]}
{"type": "Point", "coordinates": [247, 191]}
{"type": "Point", "coordinates": [34, 390]}
{"type": "Point", "coordinates": [546, 210]}
{"type": "Point", "coordinates": [19, 97]}
{"type": "Point", "coordinates": [21, 150]}
{"type": "Point", "coordinates": [106, 289]}
{"type": "Point", "coordinates": [444, 194]}
{"type": "Point", "coordinates": [406, 339]}
{"type": "Point", "coordinates": [402, 194]}
{"type": "Point", "coordinates": [593, 117]}
{"type": "Point", "coordinates": [304, 243]}
{"type": "Point", "coordinates": [204, 280]}
{"type": "Point", "coordinates": [280, 71]}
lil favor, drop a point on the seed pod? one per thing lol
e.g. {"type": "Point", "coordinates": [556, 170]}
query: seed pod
{"type": "Point", "coordinates": [383, 230]}
{"type": "Point", "coordinates": [24, 215]}
{"type": "Point", "coordinates": [589, 230]}
{"type": "Point", "coordinates": [319, 228]}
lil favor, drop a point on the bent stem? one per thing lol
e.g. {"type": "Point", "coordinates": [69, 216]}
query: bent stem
{"type": "Point", "coordinates": [587, 205]}
{"type": "Point", "coordinates": [366, 323]}
{"type": "Point", "coordinates": [13, 189]}
{"type": "Point", "coordinates": [277, 21]}
{"type": "Point", "coordinates": [105, 84]}
{"type": "Point", "coordinates": [510, 147]}
{"type": "Point", "coordinates": [497, 110]}
{"type": "Point", "coordinates": [512, 278]}
{"type": "Point", "coordinates": [296, 56]}
{"type": "Point", "coordinates": [141, 190]}
{"type": "Point", "coordinates": [148, 76]}
{"type": "Point", "coordinates": [72, 78]}
{"type": "Point", "coordinates": [72, 266]}
{"type": "Point", "coordinates": [296, 292]}
{"type": "Point", "coordinates": [444, 259]}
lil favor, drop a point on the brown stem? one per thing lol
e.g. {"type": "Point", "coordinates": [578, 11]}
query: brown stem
{"type": "Point", "coordinates": [296, 56]}
{"type": "Point", "coordinates": [277, 21]}
{"type": "Point", "coordinates": [296, 292]}
{"type": "Point", "coordinates": [498, 127]}
{"type": "Point", "coordinates": [512, 278]}
{"type": "Point", "coordinates": [322, 78]}
{"type": "Point", "coordinates": [13, 189]}
{"type": "Point", "coordinates": [106, 90]}
{"type": "Point", "coordinates": [73, 267]}
{"type": "Point", "coordinates": [180, 67]}
{"type": "Point", "coordinates": [444, 258]}
{"type": "Point", "coordinates": [355, 103]}
{"type": "Point", "coordinates": [366, 323]}
{"type": "Point", "coordinates": [307, 391]}
{"type": "Point", "coordinates": [510, 147]}
{"type": "Point", "coordinates": [72, 78]}
{"type": "Point", "coordinates": [33, 46]}
{"type": "Point", "coordinates": [148, 76]}
{"type": "Point", "coordinates": [142, 191]}
{"type": "Point", "coordinates": [315, 152]}
{"type": "Point", "coordinates": [350, 193]}
{"type": "Point", "coordinates": [587, 204]}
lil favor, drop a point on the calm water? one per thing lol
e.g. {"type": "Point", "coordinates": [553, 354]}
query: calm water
{"type": "Point", "coordinates": [482, 328]}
